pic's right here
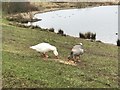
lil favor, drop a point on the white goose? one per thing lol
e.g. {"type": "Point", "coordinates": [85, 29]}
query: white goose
{"type": "Point", "coordinates": [44, 48]}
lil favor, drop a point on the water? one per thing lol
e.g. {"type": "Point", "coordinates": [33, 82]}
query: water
{"type": "Point", "coordinates": [101, 20]}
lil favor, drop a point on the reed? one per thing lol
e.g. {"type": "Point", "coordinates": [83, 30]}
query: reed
{"type": "Point", "coordinates": [61, 32]}
{"type": "Point", "coordinates": [118, 42]}
{"type": "Point", "coordinates": [51, 30]}
{"type": "Point", "coordinates": [88, 35]}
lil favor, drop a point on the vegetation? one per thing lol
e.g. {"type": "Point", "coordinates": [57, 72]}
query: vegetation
{"type": "Point", "coordinates": [17, 7]}
{"type": "Point", "coordinates": [25, 13]}
{"type": "Point", "coordinates": [25, 68]}
{"type": "Point", "coordinates": [92, 4]}
{"type": "Point", "coordinates": [118, 42]}
{"type": "Point", "coordinates": [44, 5]}
{"type": "Point", "coordinates": [61, 32]}
{"type": "Point", "coordinates": [13, 11]}
{"type": "Point", "coordinates": [88, 35]}
{"type": "Point", "coordinates": [51, 29]}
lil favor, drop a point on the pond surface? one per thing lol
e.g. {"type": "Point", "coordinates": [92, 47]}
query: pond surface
{"type": "Point", "coordinates": [101, 20]}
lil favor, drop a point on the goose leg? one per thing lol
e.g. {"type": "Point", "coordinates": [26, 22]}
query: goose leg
{"type": "Point", "coordinates": [79, 59]}
{"type": "Point", "coordinates": [71, 58]}
{"type": "Point", "coordinates": [45, 55]}
{"type": "Point", "coordinates": [75, 59]}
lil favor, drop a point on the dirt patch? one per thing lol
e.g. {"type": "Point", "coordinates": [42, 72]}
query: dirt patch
{"type": "Point", "coordinates": [67, 62]}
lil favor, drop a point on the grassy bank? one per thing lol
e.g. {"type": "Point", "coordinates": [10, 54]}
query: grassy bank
{"type": "Point", "coordinates": [25, 68]}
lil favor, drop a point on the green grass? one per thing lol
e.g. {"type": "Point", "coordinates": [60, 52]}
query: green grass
{"type": "Point", "coordinates": [23, 67]}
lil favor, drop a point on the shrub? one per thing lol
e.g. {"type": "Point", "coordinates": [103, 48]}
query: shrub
{"type": "Point", "coordinates": [17, 7]}
{"type": "Point", "coordinates": [88, 35]}
{"type": "Point", "coordinates": [81, 35]}
{"type": "Point", "coordinates": [51, 29]}
{"type": "Point", "coordinates": [93, 36]}
{"type": "Point", "coordinates": [118, 42]}
{"type": "Point", "coordinates": [61, 32]}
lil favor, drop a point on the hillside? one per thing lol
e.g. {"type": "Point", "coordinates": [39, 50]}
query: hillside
{"type": "Point", "coordinates": [23, 67]}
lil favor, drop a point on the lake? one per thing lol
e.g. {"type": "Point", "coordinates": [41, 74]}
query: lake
{"type": "Point", "coordinates": [101, 20]}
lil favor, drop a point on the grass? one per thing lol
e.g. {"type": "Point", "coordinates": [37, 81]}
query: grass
{"type": "Point", "coordinates": [44, 5]}
{"type": "Point", "coordinates": [25, 68]}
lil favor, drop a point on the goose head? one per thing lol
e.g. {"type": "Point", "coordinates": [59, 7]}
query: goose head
{"type": "Point", "coordinates": [55, 52]}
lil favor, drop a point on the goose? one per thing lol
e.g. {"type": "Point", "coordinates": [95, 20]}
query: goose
{"type": "Point", "coordinates": [77, 50]}
{"type": "Point", "coordinates": [44, 48]}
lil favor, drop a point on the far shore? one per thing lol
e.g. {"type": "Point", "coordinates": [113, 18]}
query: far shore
{"type": "Point", "coordinates": [27, 15]}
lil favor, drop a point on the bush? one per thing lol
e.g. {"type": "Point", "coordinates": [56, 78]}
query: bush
{"type": "Point", "coordinates": [61, 32]}
{"type": "Point", "coordinates": [51, 29]}
{"type": "Point", "coordinates": [88, 35]}
{"type": "Point", "coordinates": [17, 7]}
{"type": "Point", "coordinates": [93, 36]}
{"type": "Point", "coordinates": [118, 42]}
{"type": "Point", "coordinates": [81, 35]}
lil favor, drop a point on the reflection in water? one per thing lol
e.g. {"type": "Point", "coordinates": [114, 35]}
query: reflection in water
{"type": "Point", "coordinates": [100, 20]}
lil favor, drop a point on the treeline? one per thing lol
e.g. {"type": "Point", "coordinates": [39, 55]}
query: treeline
{"type": "Point", "coordinates": [92, 4]}
{"type": "Point", "coordinates": [17, 7]}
